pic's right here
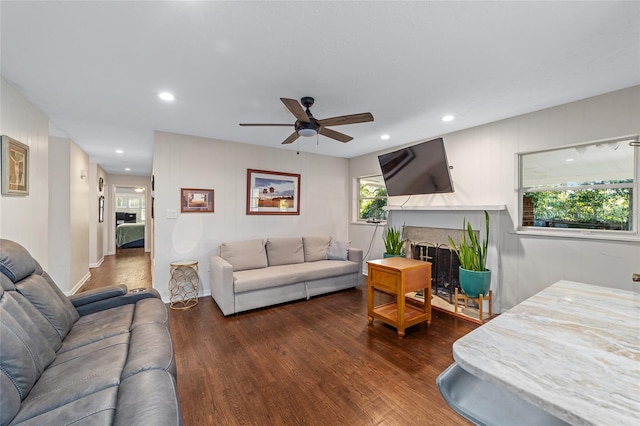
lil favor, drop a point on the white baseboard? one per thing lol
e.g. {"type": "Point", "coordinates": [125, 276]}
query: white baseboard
{"type": "Point", "coordinates": [80, 283]}
{"type": "Point", "coordinates": [97, 264]}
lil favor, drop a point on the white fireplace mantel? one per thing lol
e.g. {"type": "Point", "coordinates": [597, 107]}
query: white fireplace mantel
{"type": "Point", "coordinates": [497, 207]}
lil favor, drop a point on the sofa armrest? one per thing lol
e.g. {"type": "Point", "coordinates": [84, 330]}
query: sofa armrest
{"type": "Point", "coordinates": [97, 294]}
{"type": "Point", "coordinates": [222, 289]}
{"type": "Point", "coordinates": [355, 255]}
{"type": "Point", "coordinates": [112, 302]}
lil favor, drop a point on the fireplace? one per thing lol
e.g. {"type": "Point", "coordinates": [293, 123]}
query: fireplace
{"type": "Point", "coordinates": [444, 268]}
{"type": "Point", "coordinates": [432, 245]}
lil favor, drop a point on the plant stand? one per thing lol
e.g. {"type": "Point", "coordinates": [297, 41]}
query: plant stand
{"type": "Point", "coordinates": [479, 300]}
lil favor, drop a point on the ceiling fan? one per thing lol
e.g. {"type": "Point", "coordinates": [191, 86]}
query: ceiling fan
{"type": "Point", "coordinates": [307, 125]}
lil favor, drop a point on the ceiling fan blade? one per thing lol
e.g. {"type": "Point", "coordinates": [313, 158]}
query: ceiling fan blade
{"type": "Point", "coordinates": [291, 138]}
{"type": "Point", "coordinates": [265, 124]}
{"type": "Point", "coordinates": [346, 119]}
{"type": "Point", "coordinates": [296, 109]}
{"type": "Point", "coordinates": [334, 135]}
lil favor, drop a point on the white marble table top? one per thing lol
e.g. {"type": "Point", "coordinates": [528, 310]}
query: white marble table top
{"type": "Point", "coordinates": [573, 350]}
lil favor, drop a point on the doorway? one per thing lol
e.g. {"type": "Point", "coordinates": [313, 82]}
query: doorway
{"type": "Point", "coordinates": [129, 219]}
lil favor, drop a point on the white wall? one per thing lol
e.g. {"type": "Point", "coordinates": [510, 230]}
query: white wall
{"type": "Point", "coordinates": [25, 219]}
{"type": "Point", "coordinates": [68, 214]}
{"type": "Point", "coordinates": [113, 181]}
{"type": "Point", "coordinates": [97, 246]}
{"type": "Point", "coordinates": [484, 161]}
{"type": "Point", "coordinates": [182, 161]}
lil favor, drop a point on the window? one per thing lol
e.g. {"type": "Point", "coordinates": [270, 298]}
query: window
{"type": "Point", "coordinates": [121, 202]}
{"type": "Point", "coordinates": [372, 198]}
{"type": "Point", "coordinates": [591, 186]}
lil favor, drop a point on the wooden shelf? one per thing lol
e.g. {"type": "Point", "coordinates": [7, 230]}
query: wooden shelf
{"type": "Point", "coordinates": [389, 311]}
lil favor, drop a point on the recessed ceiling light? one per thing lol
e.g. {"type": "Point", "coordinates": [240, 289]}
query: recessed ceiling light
{"type": "Point", "coordinates": [139, 190]}
{"type": "Point", "coordinates": [447, 118]}
{"type": "Point", "coordinates": [119, 151]}
{"type": "Point", "coordinates": [166, 96]}
{"type": "Point", "coordinates": [385, 137]}
{"type": "Point", "coordinates": [568, 160]}
{"type": "Point", "coordinates": [127, 169]}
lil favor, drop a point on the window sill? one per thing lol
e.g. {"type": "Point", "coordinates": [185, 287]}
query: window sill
{"type": "Point", "coordinates": [577, 234]}
{"type": "Point", "coordinates": [381, 223]}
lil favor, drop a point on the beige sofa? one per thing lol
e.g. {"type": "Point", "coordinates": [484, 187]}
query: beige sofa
{"type": "Point", "coordinates": [256, 273]}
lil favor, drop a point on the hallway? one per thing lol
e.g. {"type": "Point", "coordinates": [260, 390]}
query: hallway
{"type": "Point", "coordinates": [131, 267]}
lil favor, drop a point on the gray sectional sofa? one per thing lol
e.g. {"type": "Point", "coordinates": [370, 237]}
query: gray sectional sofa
{"type": "Point", "coordinates": [257, 273]}
{"type": "Point", "coordinates": [99, 358]}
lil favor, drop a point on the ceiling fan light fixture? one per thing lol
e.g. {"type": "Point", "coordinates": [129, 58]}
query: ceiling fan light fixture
{"type": "Point", "coordinates": [307, 132]}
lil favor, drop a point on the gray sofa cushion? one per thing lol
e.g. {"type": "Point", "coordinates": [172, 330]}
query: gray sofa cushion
{"type": "Point", "coordinates": [23, 357]}
{"type": "Point", "coordinates": [244, 255]}
{"type": "Point", "coordinates": [290, 274]}
{"type": "Point", "coordinates": [59, 312]}
{"type": "Point", "coordinates": [284, 251]}
{"type": "Point", "coordinates": [15, 261]}
{"type": "Point", "coordinates": [315, 248]}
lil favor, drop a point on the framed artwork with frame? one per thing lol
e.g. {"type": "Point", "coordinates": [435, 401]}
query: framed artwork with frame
{"type": "Point", "coordinates": [270, 192]}
{"type": "Point", "coordinates": [15, 167]}
{"type": "Point", "coordinates": [101, 209]}
{"type": "Point", "coordinates": [194, 200]}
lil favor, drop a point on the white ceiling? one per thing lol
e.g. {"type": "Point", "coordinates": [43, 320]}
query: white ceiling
{"type": "Point", "coordinates": [95, 68]}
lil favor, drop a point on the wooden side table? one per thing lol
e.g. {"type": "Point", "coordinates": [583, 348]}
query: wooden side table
{"type": "Point", "coordinates": [183, 284]}
{"type": "Point", "coordinates": [398, 276]}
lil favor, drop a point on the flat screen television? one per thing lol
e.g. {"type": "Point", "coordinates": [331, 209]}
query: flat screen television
{"type": "Point", "coordinates": [417, 169]}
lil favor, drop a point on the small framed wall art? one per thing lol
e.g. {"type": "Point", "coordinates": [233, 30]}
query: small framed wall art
{"type": "Point", "coordinates": [15, 167]}
{"type": "Point", "coordinates": [196, 200]}
{"type": "Point", "coordinates": [101, 209]}
{"type": "Point", "coordinates": [273, 192]}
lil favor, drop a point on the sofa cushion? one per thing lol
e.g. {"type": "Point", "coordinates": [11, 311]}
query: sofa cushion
{"type": "Point", "coordinates": [285, 251]}
{"type": "Point", "coordinates": [65, 382]}
{"type": "Point", "coordinates": [315, 248]}
{"type": "Point", "coordinates": [58, 311]}
{"type": "Point", "coordinates": [97, 326]}
{"type": "Point", "coordinates": [244, 255]}
{"type": "Point", "coordinates": [25, 355]}
{"type": "Point", "coordinates": [148, 398]}
{"type": "Point", "coordinates": [44, 326]}
{"type": "Point", "coordinates": [338, 250]}
{"type": "Point", "coordinates": [274, 276]}
{"type": "Point", "coordinates": [15, 261]}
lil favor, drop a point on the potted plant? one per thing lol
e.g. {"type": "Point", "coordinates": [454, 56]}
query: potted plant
{"type": "Point", "coordinates": [393, 242]}
{"type": "Point", "coordinates": [475, 278]}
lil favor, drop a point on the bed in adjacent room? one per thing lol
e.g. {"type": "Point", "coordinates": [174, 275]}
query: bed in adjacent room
{"type": "Point", "coordinates": [129, 235]}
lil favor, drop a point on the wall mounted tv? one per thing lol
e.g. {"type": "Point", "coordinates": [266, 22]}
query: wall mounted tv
{"type": "Point", "coordinates": [417, 169]}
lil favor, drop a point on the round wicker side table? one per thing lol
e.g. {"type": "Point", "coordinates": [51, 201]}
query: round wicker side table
{"type": "Point", "coordinates": [183, 284]}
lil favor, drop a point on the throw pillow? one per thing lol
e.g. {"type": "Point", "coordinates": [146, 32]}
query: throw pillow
{"type": "Point", "coordinates": [338, 250]}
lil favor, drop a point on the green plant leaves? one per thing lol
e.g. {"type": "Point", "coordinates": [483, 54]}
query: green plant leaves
{"type": "Point", "coordinates": [393, 240]}
{"type": "Point", "coordinates": [472, 253]}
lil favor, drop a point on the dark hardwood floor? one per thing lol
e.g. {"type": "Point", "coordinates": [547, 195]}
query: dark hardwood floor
{"type": "Point", "coordinates": [315, 362]}
{"type": "Point", "coordinates": [131, 267]}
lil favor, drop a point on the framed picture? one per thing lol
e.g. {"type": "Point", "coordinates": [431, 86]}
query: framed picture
{"type": "Point", "coordinates": [196, 200]}
{"type": "Point", "coordinates": [101, 209]}
{"type": "Point", "coordinates": [272, 192]}
{"type": "Point", "coordinates": [15, 167]}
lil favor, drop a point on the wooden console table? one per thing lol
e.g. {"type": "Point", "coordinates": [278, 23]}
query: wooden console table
{"type": "Point", "coordinates": [398, 276]}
